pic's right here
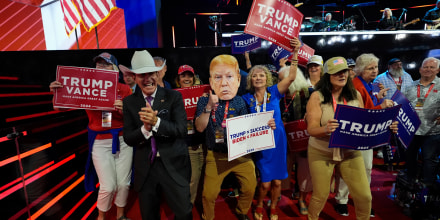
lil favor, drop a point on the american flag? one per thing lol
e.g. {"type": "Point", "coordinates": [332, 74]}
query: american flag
{"type": "Point", "coordinates": [71, 15]}
{"type": "Point", "coordinates": [89, 12]}
{"type": "Point", "coordinates": [338, 61]}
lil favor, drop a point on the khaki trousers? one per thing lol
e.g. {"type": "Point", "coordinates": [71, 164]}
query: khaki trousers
{"type": "Point", "coordinates": [352, 170]}
{"type": "Point", "coordinates": [217, 168]}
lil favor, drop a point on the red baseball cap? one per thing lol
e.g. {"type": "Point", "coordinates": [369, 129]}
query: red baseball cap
{"type": "Point", "coordinates": [185, 68]}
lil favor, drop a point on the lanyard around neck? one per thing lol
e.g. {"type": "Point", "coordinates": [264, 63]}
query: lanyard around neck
{"type": "Point", "coordinates": [286, 106]}
{"type": "Point", "coordinates": [334, 103]}
{"type": "Point", "coordinates": [264, 102]}
{"type": "Point", "coordinates": [224, 116]}
{"type": "Point", "coordinates": [427, 93]}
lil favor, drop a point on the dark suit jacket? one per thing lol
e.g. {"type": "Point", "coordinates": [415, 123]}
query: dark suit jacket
{"type": "Point", "coordinates": [170, 136]}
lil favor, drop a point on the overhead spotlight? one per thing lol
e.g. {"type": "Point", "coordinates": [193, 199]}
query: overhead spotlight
{"type": "Point", "coordinates": [400, 36]}
{"type": "Point", "coordinates": [265, 44]}
{"type": "Point", "coordinates": [321, 42]}
{"type": "Point", "coordinates": [411, 65]}
{"type": "Point", "coordinates": [354, 38]}
{"type": "Point", "coordinates": [298, 4]}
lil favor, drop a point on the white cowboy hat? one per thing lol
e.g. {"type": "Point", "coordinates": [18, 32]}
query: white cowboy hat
{"type": "Point", "coordinates": [143, 62]}
{"type": "Point", "coordinates": [125, 69]}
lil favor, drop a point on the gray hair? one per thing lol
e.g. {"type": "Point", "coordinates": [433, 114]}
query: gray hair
{"type": "Point", "coordinates": [432, 59]}
{"type": "Point", "coordinates": [364, 60]}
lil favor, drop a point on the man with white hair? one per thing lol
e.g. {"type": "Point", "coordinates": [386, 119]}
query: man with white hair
{"type": "Point", "coordinates": [424, 96]}
{"type": "Point", "coordinates": [395, 78]}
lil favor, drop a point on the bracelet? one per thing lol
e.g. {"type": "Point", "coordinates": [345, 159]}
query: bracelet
{"type": "Point", "coordinates": [292, 60]}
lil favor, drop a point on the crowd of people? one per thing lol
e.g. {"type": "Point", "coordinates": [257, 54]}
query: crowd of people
{"type": "Point", "coordinates": [185, 160]}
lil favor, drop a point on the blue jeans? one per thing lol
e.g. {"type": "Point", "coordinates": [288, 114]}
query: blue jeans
{"type": "Point", "coordinates": [430, 152]}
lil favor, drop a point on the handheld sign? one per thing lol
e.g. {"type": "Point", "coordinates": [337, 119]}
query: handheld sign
{"type": "Point", "coordinates": [304, 53]}
{"type": "Point", "coordinates": [362, 129]}
{"type": "Point", "coordinates": [191, 96]}
{"type": "Point", "coordinates": [244, 42]}
{"type": "Point", "coordinates": [297, 135]}
{"type": "Point", "coordinates": [86, 88]}
{"type": "Point", "coordinates": [274, 20]}
{"type": "Point", "coordinates": [408, 119]}
{"type": "Point", "coordinates": [276, 53]}
{"type": "Point", "coordinates": [249, 133]}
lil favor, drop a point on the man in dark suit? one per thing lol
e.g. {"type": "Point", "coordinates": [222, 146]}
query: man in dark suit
{"type": "Point", "coordinates": [157, 131]}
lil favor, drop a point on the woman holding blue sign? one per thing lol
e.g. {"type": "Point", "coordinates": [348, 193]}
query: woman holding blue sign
{"type": "Point", "coordinates": [266, 97]}
{"type": "Point", "coordinates": [334, 88]}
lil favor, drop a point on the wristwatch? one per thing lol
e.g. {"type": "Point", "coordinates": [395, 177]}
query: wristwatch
{"type": "Point", "coordinates": [205, 110]}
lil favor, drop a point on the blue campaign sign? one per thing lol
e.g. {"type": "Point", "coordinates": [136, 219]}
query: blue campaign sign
{"type": "Point", "coordinates": [408, 119]}
{"type": "Point", "coordinates": [362, 129]}
{"type": "Point", "coordinates": [276, 53]}
{"type": "Point", "coordinates": [244, 42]}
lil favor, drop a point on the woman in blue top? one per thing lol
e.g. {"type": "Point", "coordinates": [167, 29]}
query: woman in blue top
{"type": "Point", "coordinates": [264, 96]}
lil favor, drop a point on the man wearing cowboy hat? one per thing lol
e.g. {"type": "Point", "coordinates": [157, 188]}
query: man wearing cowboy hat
{"type": "Point", "coordinates": [155, 124]}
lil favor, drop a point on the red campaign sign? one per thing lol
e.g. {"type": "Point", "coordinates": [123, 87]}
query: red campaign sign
{"type": "Point", "coordinates": [297, 135]}
{"type": "Point", "coordinates": [274, 20]}
{"type": "Point", "coordinates": [86, 88]}
{"type": "Point", "coordinates": [304, 53]}
{"type": "Point", "coordinates": [191, 96]}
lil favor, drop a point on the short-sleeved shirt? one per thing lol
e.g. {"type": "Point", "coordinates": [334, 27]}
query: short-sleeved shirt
{"type": "Point", "coordinates": [431, 106]}
{"type": "Point", "coordinates": [236, 107]}
{"type": "Point", "coordinates": [388, 82]}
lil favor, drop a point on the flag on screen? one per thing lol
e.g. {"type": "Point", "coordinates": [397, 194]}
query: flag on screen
{"type": "Point", "coordinates": [71, 15]}
{"type": "Point", "coordinates": [89, 12]}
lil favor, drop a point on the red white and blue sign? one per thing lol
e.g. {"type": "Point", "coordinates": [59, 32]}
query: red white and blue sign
{"type": "Point", "coordinates": [362, 129]}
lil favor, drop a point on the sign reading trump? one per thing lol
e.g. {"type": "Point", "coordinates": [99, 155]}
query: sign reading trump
{"type": "Point", "coordinates": [244, 42]}
{"type": "Point", "coordinates": [297, 135]}
{"type": "Point", "coordinates": [191, 96]}
{"type": "Point", "coordinates": [86, 88]}
{"type": "Point", "coordinates": [408, 119]}
{"type": "Point", "coordinates": [274, 20]}
{"type": "Point", "coordinates": [276, 53]}
{"type": "Point", "coordinates": [362, 129]}
{"type": "Point", "coordinates": [249, 133]}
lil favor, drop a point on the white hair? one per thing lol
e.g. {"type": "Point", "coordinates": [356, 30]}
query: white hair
{"type": "Point", "coordinates": [387, 9]}
{"type": "Point", "coordinates": [299, 83]}
{"type": "Point", "coordinates": [432, 59]}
